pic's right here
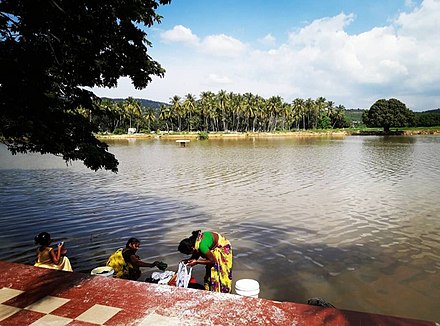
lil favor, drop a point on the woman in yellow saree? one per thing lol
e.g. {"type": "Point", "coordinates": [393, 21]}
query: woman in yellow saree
{"type": "Point", "coordinates": [215, 252]}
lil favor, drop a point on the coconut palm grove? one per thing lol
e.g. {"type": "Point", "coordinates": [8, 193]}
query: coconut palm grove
{"type": "Point", "coordinates": [232, 112]}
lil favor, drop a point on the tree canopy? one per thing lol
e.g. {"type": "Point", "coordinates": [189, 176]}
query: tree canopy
{"type": "Point", "coordinates": [428, 118]}
{"type": "Point", "coordinates": [222, 112]}
{"type": "Point", "coordinates": [388, 114]}
{"type": "Point", "coordinates": [50, 51]}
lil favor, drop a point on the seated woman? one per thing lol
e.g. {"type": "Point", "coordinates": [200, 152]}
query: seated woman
{"type": "Point", "coordinates": [126, 263]}
{"type": "Point", "coordinates": [216, 253]}
{"type": "Point", "coordinates": [48, 257]}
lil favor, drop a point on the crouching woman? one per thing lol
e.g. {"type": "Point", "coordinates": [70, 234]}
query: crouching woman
{"type": "Point", "coordinates": [215, 252]}
{"type": "Point", "coordinates": [126, 263]}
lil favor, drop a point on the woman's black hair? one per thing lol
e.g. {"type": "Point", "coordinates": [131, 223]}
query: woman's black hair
{"type": "Point", "coordinates": [132, 240]}
{"type": "Point", "coordinates": [43, 239]}
{"type": "Point", "coordinates": [187, 245]}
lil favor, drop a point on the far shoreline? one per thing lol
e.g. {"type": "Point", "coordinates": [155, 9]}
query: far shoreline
{"type": "Point", "coordinates": [263, 135]}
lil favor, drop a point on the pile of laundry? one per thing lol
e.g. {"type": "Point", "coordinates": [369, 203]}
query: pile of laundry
{"type": "Point", "coordinates": [161, 277]}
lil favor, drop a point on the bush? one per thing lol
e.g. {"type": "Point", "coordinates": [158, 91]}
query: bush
{"type": "Point", "coordinates": [119, 131]}
{"type": "Point", "coordinates": [203, 135]}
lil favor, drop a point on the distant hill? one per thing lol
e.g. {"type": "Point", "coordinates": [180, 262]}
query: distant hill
{"type": "Point", "coordinates": [354, 114]}
{"type": "Point", "coordinates": [144, 102]}
{"type": "Point", "coordinates": [435, 111]}
{"type": "Point", "coordinates": [428, 118]}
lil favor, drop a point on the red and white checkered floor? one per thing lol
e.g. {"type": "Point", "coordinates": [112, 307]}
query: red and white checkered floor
{"type": "Point", "coordinates": [38, 296]}
{"type": "Point", "coordinates": [42, 309]}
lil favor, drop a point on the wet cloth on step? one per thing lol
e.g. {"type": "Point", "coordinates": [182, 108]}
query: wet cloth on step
{"type": "Point", "coordinates": [162, 277]}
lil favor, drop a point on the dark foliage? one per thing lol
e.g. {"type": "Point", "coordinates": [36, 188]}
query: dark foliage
{"type": "Point", "coordinates": [388, 113]}
{"type": "Point", "coordinates": [429, 118]}
{"type": "Point", "coordinates": [354, 114]}
{"type": "Point", "coordinates": [49, 51]}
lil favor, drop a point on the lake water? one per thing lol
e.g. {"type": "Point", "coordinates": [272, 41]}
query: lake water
{"type": "Point", "coordinates": [354, 220]}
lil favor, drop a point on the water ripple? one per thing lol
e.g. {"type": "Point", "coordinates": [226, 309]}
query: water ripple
{"type": "Point", "coordinates": [353, 220]}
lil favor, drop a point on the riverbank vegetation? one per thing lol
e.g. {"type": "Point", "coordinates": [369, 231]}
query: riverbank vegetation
{"type": "Point", "coordinates": [407, 131]}
{"type": "Point", "coordinates": [231, 113]}
{"type": "Point", "coordinates": [225, 112]}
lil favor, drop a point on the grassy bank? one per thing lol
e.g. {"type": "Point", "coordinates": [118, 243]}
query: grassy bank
{"type": "Point", "coordinates": [308, 133]}
{"type": "Point", "coordinates": [219, 135]}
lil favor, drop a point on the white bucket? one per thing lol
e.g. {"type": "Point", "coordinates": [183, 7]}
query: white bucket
{"type": "Point", "coordinates": [247, 288]}
{"type": "Point", "coordinates": [102, 271]}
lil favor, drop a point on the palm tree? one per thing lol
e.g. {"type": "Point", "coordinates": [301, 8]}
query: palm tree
{"type": "Point", "coordinates": [149, 117]}
{"type": "Point", "coordinates": [221, 100]}
{"type": "Point", "coordinates": [259, 117]}
{"type": "Point", "coordinates": [298, 111]}
{"type": "Point", "coordinates": [249, 108]}
{"type": "Point", "coordinates": [319, 110]}
{"type": "Point", "coordinates": [274, 105]}
{"type": "Point", "coordinates": [190, 106]}
{"type": "Point", "coordinates": [133, 108]}
{"type": "Point", "coordinates": [338, 117]}
{"type": "Point", "coordinates": [108, 110]}
{"type": "Point", "coordinates": [121, 115]}
{"type": "Point", "coordinates": [240, 108]}
{"type": "Point", "coordinates": [165, 115]}
{"type": "Point", "coordinates": [177, 110]}
{"type": "Point", "coordinates": [309, 106]}
{"type": "Point", "coordinates": [330, 105]}
{"type": "Point", "coordinates": [287, 115]}
{"type": "Point", "coordinates": [207, 105]}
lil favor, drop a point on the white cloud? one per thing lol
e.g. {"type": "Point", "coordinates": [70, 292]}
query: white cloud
{"type": "Point", "coordinates": [422, 23]}
{"type": "Point", "coordinates": [223, 45]}
{"type": "Point", "coordinates": [321, 59]}
{"type": "Point", "coordinates": [409, 3]}
{"type": "Point", "coordinates": [323, 31]}
{"type": "Point", "coordinates": [179, 34]}
{"type": "Point", "coordinates": [217, 79]}
{"type": "Point", "coordinates": [220, 45]}
{"type": "Point", "coordinates": [268, 40]}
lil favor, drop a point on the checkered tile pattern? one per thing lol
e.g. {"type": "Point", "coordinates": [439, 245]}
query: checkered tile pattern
{"type": "Point", "coordinates": [38, 296]}
{"type": "Point", "coordinates": [43, 311]}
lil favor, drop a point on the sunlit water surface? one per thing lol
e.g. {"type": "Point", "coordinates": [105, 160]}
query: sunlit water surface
{"type": "Point", "coordinates": [353, 220]}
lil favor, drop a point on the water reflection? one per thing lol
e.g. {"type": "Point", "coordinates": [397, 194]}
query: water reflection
{"type": "Point", "coordinates": [388, 157]}
{"type": "Point", "coordinates": [353, 220]}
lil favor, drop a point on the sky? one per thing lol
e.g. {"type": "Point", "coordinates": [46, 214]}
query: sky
{"type": "Point", "coordinates": [351, 52]}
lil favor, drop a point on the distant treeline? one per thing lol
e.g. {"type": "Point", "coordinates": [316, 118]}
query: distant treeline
{"type": "Point", "coordinates": [430, 118]}
{"type": "Point", "coordinates": [228, 111]}
{"type": "Point", "coordinates": [220, 112]}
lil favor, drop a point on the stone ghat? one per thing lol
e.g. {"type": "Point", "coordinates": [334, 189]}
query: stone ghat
{"type": "Point", "coordinates": [37, 296]}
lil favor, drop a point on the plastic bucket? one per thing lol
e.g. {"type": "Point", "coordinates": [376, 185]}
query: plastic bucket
{"type": "Point", "coordinates": [247, 287]}
{"type": "Point", "coordinates": [102, 271]}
